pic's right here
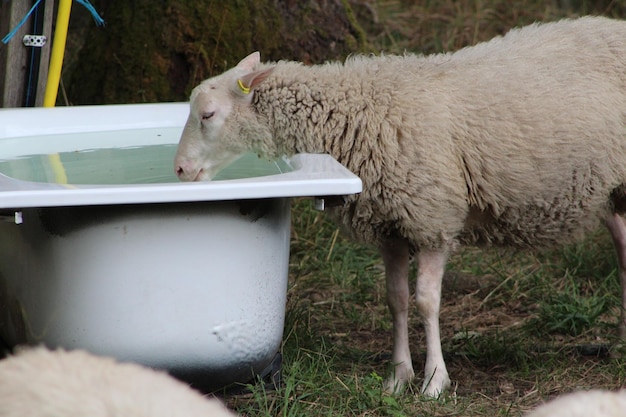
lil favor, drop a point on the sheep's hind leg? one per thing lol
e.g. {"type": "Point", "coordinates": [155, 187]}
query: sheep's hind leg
{"type": "Point", "coordinates": [430, 275]}
{"type": "Point", "coordinates": [617, 226]}
{"type": "Point", "coordinates": [395, 255]}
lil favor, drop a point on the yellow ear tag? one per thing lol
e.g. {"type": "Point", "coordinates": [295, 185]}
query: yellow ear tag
{"type": "Point", "coordinates": [244, 89]}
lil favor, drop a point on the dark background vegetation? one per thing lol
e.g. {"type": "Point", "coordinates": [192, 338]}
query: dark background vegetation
{"type": "Point", "coordinates": [154, 51]}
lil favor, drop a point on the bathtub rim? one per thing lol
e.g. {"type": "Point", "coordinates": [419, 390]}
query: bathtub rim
{"type": "Point", "coordinates": [313, 175]}
{"type": "Point", "coordinates": [35, 121]}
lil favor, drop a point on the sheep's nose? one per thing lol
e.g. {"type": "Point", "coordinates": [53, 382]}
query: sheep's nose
{"type": "Point", "coordinates": [187, 173]}
{"type": "Point", "coordinates": [183, 174]}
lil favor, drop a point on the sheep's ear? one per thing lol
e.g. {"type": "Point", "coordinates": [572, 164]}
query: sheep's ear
{"type": "Point", "coordinates": [251, 80]}
{"type": "Point", "coordinates": [250, 62]}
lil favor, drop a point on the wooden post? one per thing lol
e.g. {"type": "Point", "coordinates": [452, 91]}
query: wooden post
{"type": "Point", "coordinates": [14, 56]}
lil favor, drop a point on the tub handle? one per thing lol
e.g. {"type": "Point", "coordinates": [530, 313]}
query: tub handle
{"type": "Point", "coordinates": [11, 216]}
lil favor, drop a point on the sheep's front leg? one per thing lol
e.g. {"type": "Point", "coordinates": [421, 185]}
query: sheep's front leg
{"type": "Point", "coordinates": [395, 255]}
{"type": "Point", "coordinates": [430, 275]}
{"type": "Point", "coordinates": [617, 227]}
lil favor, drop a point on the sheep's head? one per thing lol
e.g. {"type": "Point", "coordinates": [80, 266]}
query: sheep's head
{"type": "Point", "coordinates": [212, 135]}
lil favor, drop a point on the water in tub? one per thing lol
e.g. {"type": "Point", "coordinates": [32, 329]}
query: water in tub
{"type": "Point", "coordinates": [106, 158]}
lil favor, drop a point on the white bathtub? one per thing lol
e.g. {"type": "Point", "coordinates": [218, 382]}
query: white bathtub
{"type": "Point", "coordinates": [189, 277]}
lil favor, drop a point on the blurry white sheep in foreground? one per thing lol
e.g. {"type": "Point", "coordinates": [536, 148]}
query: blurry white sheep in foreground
{"type": "Point", "coordinates": [595, 403]}
{"type": "Point", "coordinates": [519, 141]}
{"type": "Point", "coordinates": [42, 383]}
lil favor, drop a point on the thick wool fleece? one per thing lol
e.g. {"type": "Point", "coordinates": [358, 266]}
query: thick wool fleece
{"type": "Point", "coordinates": [517, 141]}
{"type": "Point", "coordinates": [595, 403]}
{"type": "Point", "coordinates": [42, 383]}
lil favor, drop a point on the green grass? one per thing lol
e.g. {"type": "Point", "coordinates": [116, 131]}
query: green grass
{"type": "Point", "coordinates": [517, 328]}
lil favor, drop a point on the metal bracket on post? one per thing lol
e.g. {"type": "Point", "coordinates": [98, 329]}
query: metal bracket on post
{"type": "Point", "coordinates": [36, 41]}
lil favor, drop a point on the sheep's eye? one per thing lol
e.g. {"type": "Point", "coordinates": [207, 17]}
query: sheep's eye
{"type": "Point", "coordinates": [207, 116]}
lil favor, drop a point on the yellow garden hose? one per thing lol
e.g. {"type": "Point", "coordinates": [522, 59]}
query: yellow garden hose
{"type": "Point", "coordinates": [57, 53]}
{"type": "Point", "coordinates": [54, 77]}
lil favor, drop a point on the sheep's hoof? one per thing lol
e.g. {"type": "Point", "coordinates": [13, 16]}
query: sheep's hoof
{"type": "Point", "coordinates": [436, 384]}
{"type": "Point", "coordinates": [393, 387]}
{"type": "Point", "coordinates": [396, 382]}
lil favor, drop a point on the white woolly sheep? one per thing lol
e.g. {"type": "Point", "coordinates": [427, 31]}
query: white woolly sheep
{"type": "Point", "coordinates": [595, 403]}
{"type": "Point", "coordinates": [519, 141]}
{"type": "Point", "coordinates": [37, 382]}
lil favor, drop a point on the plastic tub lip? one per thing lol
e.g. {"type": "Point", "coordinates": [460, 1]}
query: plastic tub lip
{"type": "Point", "coordinates": [313, 174]}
